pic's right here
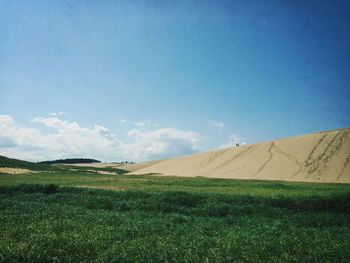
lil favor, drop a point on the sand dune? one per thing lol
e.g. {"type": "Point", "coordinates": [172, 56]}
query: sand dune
{"type": "Point", "coordinates": [131, 167]}
{"type": "Point", "coordinates": [138, 166]}
{"type": "Point", "coordinates": [318, 157]}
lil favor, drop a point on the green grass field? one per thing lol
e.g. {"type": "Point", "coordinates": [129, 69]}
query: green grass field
{"type": "Point", "coordinates": [81, 216]}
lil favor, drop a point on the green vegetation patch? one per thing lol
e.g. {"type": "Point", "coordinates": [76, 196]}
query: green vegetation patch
{"type": "Point", "coordinates": [52, 223]}
{"type": "Point", "coordinates": [91, 169]}
{"type": "Point", "coordinates": [14, 163]}
{"type": "Point", "coordinates": [56, 166]}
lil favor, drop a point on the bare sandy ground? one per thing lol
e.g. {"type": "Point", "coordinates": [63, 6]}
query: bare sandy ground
{"type": "Point", "coordinates": [7, 170]}
{"type": "Point", "coordinates": [139, 166]}
{"type": "Point", "coordinates": [318, 157]}
{"type": "Point", "coordinates": [127, 167]}
{"type": "Point", "coordinates": [96, 165]}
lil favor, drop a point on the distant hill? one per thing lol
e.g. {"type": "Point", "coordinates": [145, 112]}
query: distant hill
{"type": "Point", "coordinates": [15, 163]}
{"type": "Point", "coordinates": [71, 161]}
{"type": "Point", "coordinates": [317, 157]}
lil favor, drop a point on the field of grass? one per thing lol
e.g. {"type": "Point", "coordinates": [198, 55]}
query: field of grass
{"type": "Point", "coordinates": [76, 216]}
{"type": "Point", "coordinates": [63, 168]}
{"type": "Point", "coordinates": [90, 169]}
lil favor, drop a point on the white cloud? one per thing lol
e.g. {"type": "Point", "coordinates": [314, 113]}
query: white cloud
{"type": "Point", "coordinates": [6, 120]}
{"type": "Point", "coordinates": [68, 139]}
{"type": "Point", "coordinates": [56, 114]}
{"type": "Point", "coordinates": [145, 124]}
{"type": "Point", "coordinates": [161, 143]}
{"type": "Point", "coordinates": [233, 139]}
{"type": "Point", "coordinates": [218, 124]}
{"type": "Point", "coordinates": [57, 123]}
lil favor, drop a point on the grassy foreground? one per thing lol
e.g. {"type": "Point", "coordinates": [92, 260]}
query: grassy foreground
{"type": "Point", "coordinates": [69, 217]}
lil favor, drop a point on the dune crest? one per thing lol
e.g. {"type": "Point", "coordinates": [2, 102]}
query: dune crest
{"type": "Point", "coordinates": [318, 157]}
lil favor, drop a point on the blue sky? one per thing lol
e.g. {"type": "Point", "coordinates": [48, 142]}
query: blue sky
{"type": "Point", "coordinates": [165, 78]}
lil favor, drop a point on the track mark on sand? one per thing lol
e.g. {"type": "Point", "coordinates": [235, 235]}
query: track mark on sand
{"type": "Point", "coordinates": [211, 158]}
{"type": "Point", "coordinates": [347, 161]}
{"type": "Point", "coordinates": [267, 161]}
{"type": "Point", "coordinates": [286, 155]}
{"type": "Point", "coordinates": [246, 151]}
{"type": "Point", "coordinates": [309, 157]}
{"type": "Point", "coordinates": [290, 157]}
{"type": "Point", "coordinates": [318, 164]}
{"type": "Point", "coordinates": [240, 154]}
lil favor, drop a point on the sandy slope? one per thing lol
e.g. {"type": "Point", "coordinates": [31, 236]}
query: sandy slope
{"type": "Point", "coordinates": [318, 157]}
{"type": "Point", "coordinates": [128, 167]}
{"type": "Point", "coordinates": [138, 166]}
{"type": "Point", "coordinates": [7, 170]}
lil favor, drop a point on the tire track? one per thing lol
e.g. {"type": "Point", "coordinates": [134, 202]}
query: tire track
{"type": "Point", "coordinates": [211, 158]}
{"type": "Point", "coordinates": [249, 149]}
{"type": "Point", "coordinates": [290, 157]}
{"type": "Point", "coordinates": [309, 157]}
{"type": "Point", "coordinates": [267, 161]}
{"type": "Point", "coordinates": [346, 163]}
{"type": "Point", "coordinates": [319, 163]}
{"type": "Point", "coordinates": [332, 142]}
{"type": "Point", "coordinates": [246, 151]}
{"type": "Point", "coordinates": [286, 155]}
{"type": "Point", "coordinates": [347, 160]}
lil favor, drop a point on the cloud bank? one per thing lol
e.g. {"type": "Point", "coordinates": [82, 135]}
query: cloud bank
{"type": "Point", "coordinates": [57, 138]}
{"type": "Point", "coordinates": [232, 140]}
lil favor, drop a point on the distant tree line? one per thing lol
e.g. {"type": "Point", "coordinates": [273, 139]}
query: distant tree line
{"type": "Point", "coordinates": [72, 160]}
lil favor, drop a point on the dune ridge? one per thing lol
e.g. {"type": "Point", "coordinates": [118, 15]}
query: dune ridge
{"type": "Point", "coordinates": [317, 157]}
